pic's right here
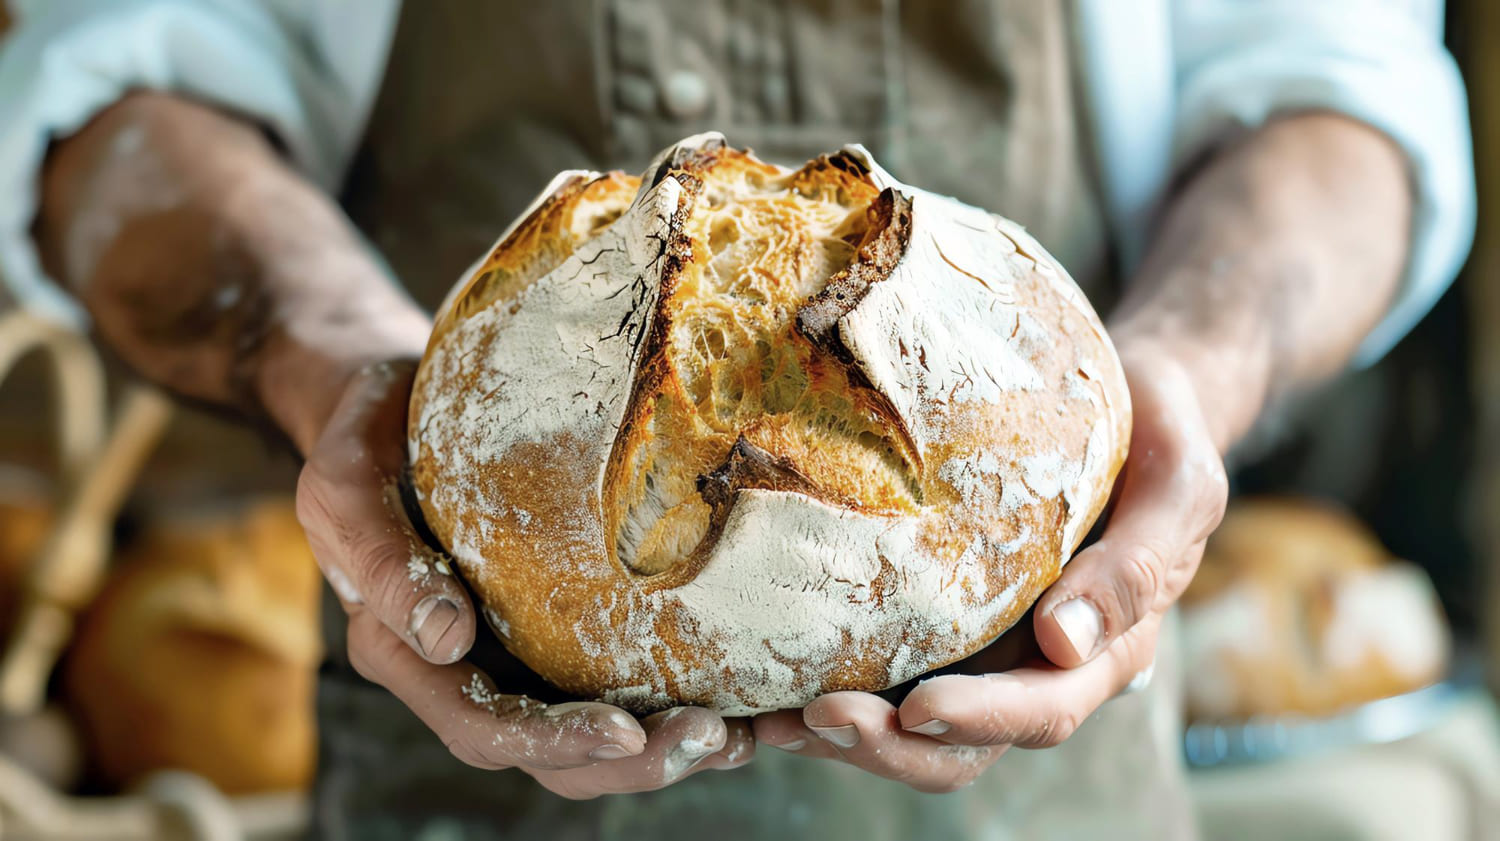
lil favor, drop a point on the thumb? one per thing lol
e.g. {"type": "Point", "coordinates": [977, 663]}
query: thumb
{"type": "Point", "coordinates": [348, 501]}
{"type": "Point", "coordinates": [1171, 498]}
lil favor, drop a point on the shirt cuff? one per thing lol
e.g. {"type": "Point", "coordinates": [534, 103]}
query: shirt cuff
{"type": "Point", "coordinates": [69, 59]}
{"type": "Point", "coordinates": [1241, 63]}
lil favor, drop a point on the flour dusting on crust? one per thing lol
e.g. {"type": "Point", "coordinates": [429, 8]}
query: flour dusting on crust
{"type": "Point", "coordinates": [963, 370]}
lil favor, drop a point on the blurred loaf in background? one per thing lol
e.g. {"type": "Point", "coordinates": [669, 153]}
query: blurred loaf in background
{"type": "Point", "coordinates": [1298, 610]}
{"type": "Point", "coordinates": [24, 515]}
{"type": "Point", "coordinates": [201, 653]}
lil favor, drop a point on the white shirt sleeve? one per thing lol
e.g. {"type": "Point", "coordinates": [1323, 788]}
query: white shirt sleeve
{"type": "Point", "coordinates": [305, 70]}
{"type": "Point", "coordinates": [1382, 62]}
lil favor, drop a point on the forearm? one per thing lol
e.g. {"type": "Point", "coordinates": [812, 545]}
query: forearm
{"type": "Point", "coordinates": [1271, 264]}
{"type": "Point", "coordinates": [212, 268]}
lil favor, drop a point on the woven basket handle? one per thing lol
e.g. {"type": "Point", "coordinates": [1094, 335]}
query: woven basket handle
{"type": "Point", "coordinates": [96, 471]}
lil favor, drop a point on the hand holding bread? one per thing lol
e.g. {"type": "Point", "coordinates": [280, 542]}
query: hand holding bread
{"type": "Point", "coordinates": [621, 430]}
{"type": "Point", "coordinates": [949, 729]}
{"type": "Point", "coordinates": [391, 585]}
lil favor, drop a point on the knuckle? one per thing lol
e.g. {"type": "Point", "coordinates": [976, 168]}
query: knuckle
{"type": "Point", "coordinates": [1216, 482]}
{"type": "Point", "coordinates": [363, 663]}
{"type": "Point", "coordinates": [993, 729]}
{"type": "Point", "coordinates": [1065, 725]}
{"type": "Point", "coordinates": [1138, 579]}
{"type": "Point", "coordinates": [361, 666]}
{"type": "Point", "coordinates": [901, 772]}
{"type": "Point", "coordinates": [1057, 728]}
{"type": "Point", "coordinates": [319, 519]}
{"type": "Point", "coordinates": [381, 563]}
{"type": "Point", "coordinates": [562, 786]}
{"type": "Point", "coordinates": [948, 785]}
{"type": "Point", "coordinates": [1213, 497]}
{"type": "Point", "coordinates": [370, 643]}
{"type": "Point", "coordinates": [313, 511]}
{"type": "Point", "coordinates": [467, 752]}
{"type": "Point", "coordinates": [994, 726]}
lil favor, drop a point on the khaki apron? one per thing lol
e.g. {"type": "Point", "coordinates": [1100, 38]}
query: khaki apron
{"type": "Point", "coordinates": [484, 102]}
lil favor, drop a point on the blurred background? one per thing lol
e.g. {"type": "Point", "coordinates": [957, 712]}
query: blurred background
{"type": "Point", "coordinates": [161, 631]}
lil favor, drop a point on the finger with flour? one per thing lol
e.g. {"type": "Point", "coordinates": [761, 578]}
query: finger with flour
{"type": "Point", "coordinates": [680, 742]}
{"type": "Point", "coordinates": [864, 730]}
{"type": "Point", "coordinates": [482, 726]}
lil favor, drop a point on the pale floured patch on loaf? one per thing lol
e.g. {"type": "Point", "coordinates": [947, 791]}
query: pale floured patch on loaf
{"type": "Point", "coordinates": [820, 584]}
{"type": "Point", "coordinates": [928, 339]}
{"type": "Point", "coordinates": [976, 477]}
{"type": "Point", "coordinates": [1220, 637]}
{"type": "Point", "coordinates": [570, 345]}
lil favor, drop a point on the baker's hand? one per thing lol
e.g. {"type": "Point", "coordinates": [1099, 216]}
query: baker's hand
{"type": "Point", "coordinates": [411, 622]}
{"type": "Point", "coordinates": [1097, 625]}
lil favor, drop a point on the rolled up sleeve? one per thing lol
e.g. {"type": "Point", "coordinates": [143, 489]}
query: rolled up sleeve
{"type": "Point", "coordinates": [1240, 62]}
{"type": "Point", "coordinates": [68, 59]}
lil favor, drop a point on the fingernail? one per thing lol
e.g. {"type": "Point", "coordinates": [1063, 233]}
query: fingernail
{"type": "Point", "coordinates": [430, 620]}
{"type": "Point", "coordinates": [589, 714]}
{"type": "Point", "coordinates": [609, 752]}
{"type": "Point", "coordinates": [1081, 624]}
{"type": "Point", "coordinates": [793, 745]}
{"type": "Point", "coordinates": [683, 756]}
{"type": "Point", "coordinates": [343, 586]}
{"type": "Point", "coordinates": [846, 736]}
{"type": "Point", "coordinates": [931, 727]}
{"type": "Point", "coordinates": [568, 708]}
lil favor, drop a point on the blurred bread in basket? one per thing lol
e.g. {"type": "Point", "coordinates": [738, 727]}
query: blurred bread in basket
{"type": "Point", "coordinates": [1298, 610]}
{"type": "Point", "coordinates": [24, 516]}
{"type": "Point", "coordinates": [44, 744]}
{"type": "Point", "coordinates": [201, 652]}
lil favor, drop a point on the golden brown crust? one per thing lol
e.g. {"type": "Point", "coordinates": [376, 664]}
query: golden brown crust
{"type": "Point", "coordinates": [201, 654]}
{"type": "Point", "coordinates": [577, 212]}
{"type": "Point", "coordinates": [820, 395]}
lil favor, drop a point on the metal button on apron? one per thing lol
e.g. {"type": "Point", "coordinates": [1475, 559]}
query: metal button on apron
{"type": "Point", "coordinates": [686, 94]}
{"type": "Point", "coordinates": [635, 94]}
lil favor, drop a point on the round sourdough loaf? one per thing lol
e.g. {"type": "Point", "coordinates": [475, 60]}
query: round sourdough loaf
{"type": "Point", "coordinates": [736, 436]}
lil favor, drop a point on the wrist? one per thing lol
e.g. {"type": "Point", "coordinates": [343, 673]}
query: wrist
{"type": "Point", "coordinates": [308, 361]}
{"type": "Point", "coordinates": [212, 268]}
{"type": "Point", "coordinates": [1230, 378]}
{"type": "Point", "coordinates": [327, 308]}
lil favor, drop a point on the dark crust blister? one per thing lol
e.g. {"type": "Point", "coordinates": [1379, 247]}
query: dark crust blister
{"type": "Point", "coordinates": [748, 466]}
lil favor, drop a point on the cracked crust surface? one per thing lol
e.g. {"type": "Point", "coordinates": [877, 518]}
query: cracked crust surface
{"type": "Point", "coordinates": [736, 435]}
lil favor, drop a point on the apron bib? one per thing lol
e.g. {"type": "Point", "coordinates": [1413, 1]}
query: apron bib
{"type": "Point", "coordinates": [484, 102]}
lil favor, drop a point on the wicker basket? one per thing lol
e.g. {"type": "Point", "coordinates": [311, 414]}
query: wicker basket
{"type": "Point", "coordinates": [99, 458]}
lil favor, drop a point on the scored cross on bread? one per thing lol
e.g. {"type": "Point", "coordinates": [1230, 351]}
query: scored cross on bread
{"type": "Point", "coordinates": [736, 435]}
